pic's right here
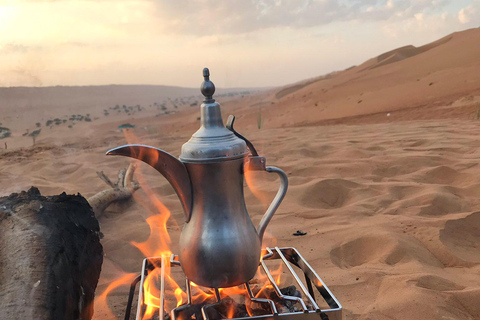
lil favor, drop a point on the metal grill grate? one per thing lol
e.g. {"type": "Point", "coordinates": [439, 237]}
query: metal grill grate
{"type": "Point", "coordinates": [288, 256]}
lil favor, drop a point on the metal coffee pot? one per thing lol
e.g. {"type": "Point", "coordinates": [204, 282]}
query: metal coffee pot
{"type": "Point", "coordinates": [219, 245]}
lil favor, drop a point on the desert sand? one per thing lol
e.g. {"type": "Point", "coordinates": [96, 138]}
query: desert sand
{"type": "Point", "coordinates": [382, 161]}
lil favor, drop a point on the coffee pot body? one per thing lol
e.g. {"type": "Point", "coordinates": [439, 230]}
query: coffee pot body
{"type": "Point", "coordinates": [219, 246]}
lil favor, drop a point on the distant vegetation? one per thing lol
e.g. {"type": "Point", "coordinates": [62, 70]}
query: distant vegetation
{"type": "Point", "coordinates": [34, 134]}
{"type": "Point", "coordinates": [259, 118]}
{"type": "Point", "coordinates": [126, 126]}
{"type": "Point", "coordinates": [165, 107]}
{"type": "Point", "coordinates": [72, 119]}
{"type": "Point", "coordinates": [127, 109]}
{"type": "Point", "coordinates": [236, 93]}
{"type": "Point", "coordinates": [5, 132]}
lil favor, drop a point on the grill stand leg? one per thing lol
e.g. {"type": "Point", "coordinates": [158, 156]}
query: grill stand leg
{"type": "Point", "coordinates": [204, 308]}
{"type": "Point", "coordinates": [310, 287]}
{"type": "Point", "coordinates": [179, 309]}
{"type": "Point", "coordinates": [128, 310]}
{"type": "Point", "coordinates": [258, 300]}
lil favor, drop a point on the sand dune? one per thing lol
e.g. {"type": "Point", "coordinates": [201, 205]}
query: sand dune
{"type": "Point", "coordinates": [434, 81]}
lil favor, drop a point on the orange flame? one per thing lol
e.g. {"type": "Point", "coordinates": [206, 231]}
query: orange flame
{"type": "Point", "coordinates": [231, 311]}
{"type": "Point", "coordinates": [251, 178]}
{"type": "Point", "coordinates": [158, 242]}
{"type": "Point", "coordinates": [276, 273]}
{"type": "Point", "coordinates": [157, 245]}
{"type": "Point", "coordinates": [179, 296]}
{"type": "Point", "coordinates": [101, 305]}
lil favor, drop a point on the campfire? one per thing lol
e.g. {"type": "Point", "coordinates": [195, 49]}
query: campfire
{"type": "Point", "coordinates": [161, 297]}
{"type": "Point", "coordinates": [221, 271]}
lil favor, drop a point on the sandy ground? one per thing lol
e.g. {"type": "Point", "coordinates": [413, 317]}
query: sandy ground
{"type": "Point", "coordinates": [388, 195]}
{"type": "Point", "coordinates": [391, 211]}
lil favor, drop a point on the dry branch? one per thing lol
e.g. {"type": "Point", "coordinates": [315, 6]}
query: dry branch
{"type": "Point", "coordinates": [120, 191]}
{"type": "Point", "coordinates": [102, 176]}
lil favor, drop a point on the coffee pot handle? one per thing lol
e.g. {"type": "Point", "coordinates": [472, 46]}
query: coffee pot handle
{"type": "Point", "coordinates": [257, 163]}
{"type": "Point", "coordinates": [276, 201]}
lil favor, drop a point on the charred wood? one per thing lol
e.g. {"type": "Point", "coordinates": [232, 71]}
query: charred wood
{"type": "Point", "coordinates": [241, 307]}
{"type": "Point", "coordinates": [50, 256]}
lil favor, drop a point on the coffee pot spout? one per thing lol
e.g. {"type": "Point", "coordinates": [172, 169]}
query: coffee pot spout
{"type": "Point", "coordinates": [170, 167]}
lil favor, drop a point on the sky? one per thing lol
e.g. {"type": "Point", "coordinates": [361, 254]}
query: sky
{"type": "Point", "coordinates": [245, 43]}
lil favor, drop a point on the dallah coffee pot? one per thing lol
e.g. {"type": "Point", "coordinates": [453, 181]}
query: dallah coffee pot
{"type": "Point", "coordinates": [219, 245]}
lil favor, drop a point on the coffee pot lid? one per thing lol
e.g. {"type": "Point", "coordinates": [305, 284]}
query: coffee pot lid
{"type": "Point", "coordinates": [213, 141]}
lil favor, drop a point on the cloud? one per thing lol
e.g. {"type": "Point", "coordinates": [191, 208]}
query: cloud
{"type": "Point", "coordinates": [26, 76]}
{"type": "Point", "coordinates": [167, 41]}
{"type": "Point", "coordinates": [469, 14]}
{"type": "Point", "coordinates": [232, 17]}
{"type": "Point", "coordinates": [14, 48]}
{"type": "Point", "coordinates": [213, 18]}
{"type": "Point", "coordinates": [208, 17]}
{"type": "Point", "coordinates": [26, 70]}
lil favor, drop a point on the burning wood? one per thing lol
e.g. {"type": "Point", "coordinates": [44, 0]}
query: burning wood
{"type": "Point", "coordinates": [235, 306]}
{"type": "Point", "coordinates": [240, 305]}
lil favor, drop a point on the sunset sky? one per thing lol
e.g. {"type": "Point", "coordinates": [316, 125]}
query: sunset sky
{"type": "Point", "coordinates": [245, 43]}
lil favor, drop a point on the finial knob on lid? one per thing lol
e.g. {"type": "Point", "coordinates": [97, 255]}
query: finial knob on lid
{"type": "Point", "coordinates": [207, 87]}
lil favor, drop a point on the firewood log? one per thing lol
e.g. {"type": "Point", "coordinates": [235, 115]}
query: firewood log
{"type": "Point", "coordinates": [50, 256]}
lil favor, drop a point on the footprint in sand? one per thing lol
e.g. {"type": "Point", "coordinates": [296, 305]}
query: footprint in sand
{"type": "Point", "coordinates": [441, 203]}
{"type": "Point", "coordinates": [382, 248]}
{"type": "Point", "coordinates": [462, 237]}
{"type": "Point", "coordinates": [327, 194]}
{"type": "Point", "coordinates": [433, 201]}
{"type": "Point", "coordinates": [405, 165]}
{"type": "Point", "coordinates": [440, 175]}
{"type": "Point", "coordinates": [316, 152]}
{"type": "Point", "coordinates": [436, 283]}
{"type": "Point", "coordinates": [67, 168]}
